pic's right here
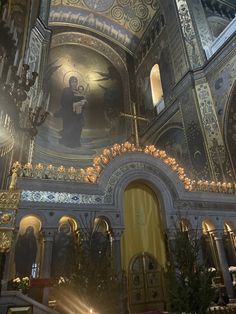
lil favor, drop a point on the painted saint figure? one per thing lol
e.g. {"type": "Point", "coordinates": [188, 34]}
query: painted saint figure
{"type": "Point", "coordinates": [25, 253]}
{"type": "Point", "coordinates": [62, 251]}
{"type": "Point", "coordinates": [73, 102]}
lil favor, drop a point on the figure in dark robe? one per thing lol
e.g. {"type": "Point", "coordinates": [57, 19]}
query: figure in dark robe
{"type": "Point", "coordinates": [72, 114]}
{"type": "Point", "coordinates": [63, 251]}
{"type": "Point", "coordinates": [25, 253]}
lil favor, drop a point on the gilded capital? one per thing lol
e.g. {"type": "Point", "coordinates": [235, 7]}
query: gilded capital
{"type": "Point", "coordinates": [9, 200]}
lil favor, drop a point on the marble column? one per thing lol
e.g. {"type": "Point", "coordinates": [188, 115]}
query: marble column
{"type": "Point", "coordinates": [224, 265]}
{"type": "Point", "coordinates": [201, 23]}
{"type": "Point", "coordinates": [117, 250]}
{"type": "Point", "coordinates": [6, 272]}
{"type": "Point", "coordinates": [44, 11]}
{"type": "Point", "coordinates": [48, 237]}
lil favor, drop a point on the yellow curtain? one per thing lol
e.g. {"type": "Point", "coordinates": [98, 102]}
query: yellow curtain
{"type": "Point", "coordinates": [143, 227]}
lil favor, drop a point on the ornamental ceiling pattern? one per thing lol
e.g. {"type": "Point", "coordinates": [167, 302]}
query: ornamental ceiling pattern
{"type": "Point", "coordinates": [123, 21]}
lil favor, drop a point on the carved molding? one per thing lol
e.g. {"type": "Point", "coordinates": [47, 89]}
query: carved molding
{"type": "Point", "coordinates": [5, 241]}
{"type": "Point", "coordinates": [189, 34]}
{"type": "Point", "coordinates": [9, 200]}
{"type": "Point", "coordinates": [214, 139]}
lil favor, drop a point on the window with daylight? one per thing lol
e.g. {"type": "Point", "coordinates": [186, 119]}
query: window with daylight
{"type": "Point", "coordinates": [156, 86]}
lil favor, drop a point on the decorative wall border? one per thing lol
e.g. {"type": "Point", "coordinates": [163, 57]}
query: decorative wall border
{"type": "Point", "coordinates": [78, 17]}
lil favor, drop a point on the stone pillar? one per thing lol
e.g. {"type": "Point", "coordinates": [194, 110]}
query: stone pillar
{"type": "Point", "coordinates": [192, 42]}
{"type": "Point", "coordinates": [215, 147]}
{"type": "Point", "coordinates": [48, 237]}
{"type": "Point", "coordinates": [200, 20]}
{"type": "Point", "coordinates": [117, 250]}
{"type": "Point", "coordinates": [6, 272]}
{"type": "Point", "coordinates": [224, 266]}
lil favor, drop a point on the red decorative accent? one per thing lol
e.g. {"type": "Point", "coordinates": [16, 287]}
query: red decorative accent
{"type": "Point", "coordinates": [150, 312]}
{"type": "Point", "coordinates": [41, 282]}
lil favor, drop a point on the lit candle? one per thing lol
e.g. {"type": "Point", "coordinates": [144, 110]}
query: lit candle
{"type": "Point", "coordinates": [5, 122]}
{"type": "Point", "coordinates": [33, 67]}
{"type": "Point", "coordinates": [2, 64]}
{"type": "Point", "coordinates": [31, 100]}
{"type": "Point", "coordinates": [40, 99]}
{"type": "Point", "coordinates": [48, 102]}
{"type": "Point", "coordinates": [8, 21]}
{"type": "Point", "coordinates": [8, 75]}
{"type": "Point", "coordinates": [15, 35]}
{"type": "Point", "coordinates": [20, 67]}
{"type": "Point", "coordinates": [4, 14]}
{"type": "Point", "coordinates": [16, 57]}
{"type": "Point", "coordinates": [27, 56]}
{"type": "Point", "coordinates": [12, 27]}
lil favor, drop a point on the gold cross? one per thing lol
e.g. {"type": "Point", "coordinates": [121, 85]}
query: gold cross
{"type": "Point", "coordinates": [135, 119]}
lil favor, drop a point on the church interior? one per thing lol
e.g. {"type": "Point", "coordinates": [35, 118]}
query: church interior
{"type": "Point", "coordinates": [117, 121]}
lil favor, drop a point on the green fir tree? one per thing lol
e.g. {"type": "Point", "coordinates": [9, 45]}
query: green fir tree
{"type": "Point", "coordinates": [189, 279]}
{"type": "Point", "coordinates": [94, 280]}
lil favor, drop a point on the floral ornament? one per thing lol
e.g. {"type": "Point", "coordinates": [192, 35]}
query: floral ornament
{"type": "Point", "coordinates": [5, 218]}
{"type": "Point", "coordinates": [91, 174]}
{"type": "Point", "coordinates": [63, 282]}
{"type": "Point", "coordinates": [135, 13]}
{"type": "Point", "coordinates": [21, 284]}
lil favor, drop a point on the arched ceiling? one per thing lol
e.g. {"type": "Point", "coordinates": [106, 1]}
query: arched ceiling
{"type": "Point", "coordinates": [230, 3]}
{"type": "Point", "coordinates": [122, 21]}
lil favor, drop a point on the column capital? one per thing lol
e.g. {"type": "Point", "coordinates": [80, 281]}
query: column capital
{"type": "Point", "coordinates": [117, 233]}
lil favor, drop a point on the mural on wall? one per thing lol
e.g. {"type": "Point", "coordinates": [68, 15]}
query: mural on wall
{"type": "Point", "coordinates": [174, 143]}
{"type": "Point", "coordinates": [221, 83]}
{"type": "Point", "coordinates": [63, 249]}
{"type": "Point", "coordinates": [27, 253]}
{"type": "Point", "coordinates": [86, 100]}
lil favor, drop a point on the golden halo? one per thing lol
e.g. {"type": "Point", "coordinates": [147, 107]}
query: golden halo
{"type": "Point", "coordinates": [77, 74]}
{"type": "Point", "coordinates": [81, 79]}
{"type": "Point", "coordinates": [30, 221]}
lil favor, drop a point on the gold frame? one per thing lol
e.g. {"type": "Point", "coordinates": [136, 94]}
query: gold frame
{"type": "Point", "coordinates": [20, 309]}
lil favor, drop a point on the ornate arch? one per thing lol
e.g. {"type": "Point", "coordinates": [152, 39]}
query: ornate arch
{"type": "Point", "coordinates": [140, 167]}
{"type": "Point", "coordinates": [217, 24]}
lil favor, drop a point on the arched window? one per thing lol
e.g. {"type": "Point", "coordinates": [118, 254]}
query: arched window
{"type": "Point", "coordinates": [156, 86]}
